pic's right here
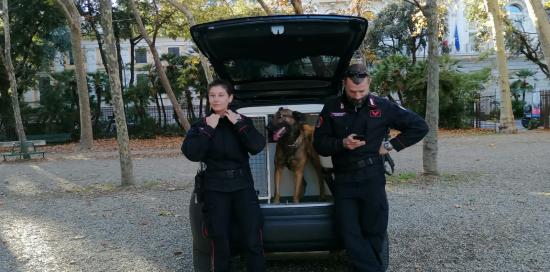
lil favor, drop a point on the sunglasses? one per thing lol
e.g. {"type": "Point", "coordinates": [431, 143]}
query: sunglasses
{"type": "Point", "coordinates": [357, 74]}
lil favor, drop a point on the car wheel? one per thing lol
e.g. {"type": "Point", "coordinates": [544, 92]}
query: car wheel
{"type": "Point", "coordinates": [201, 261]}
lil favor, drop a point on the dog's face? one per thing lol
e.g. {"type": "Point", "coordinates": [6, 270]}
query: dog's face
{"type": "Point", "coordinates": [284, 120]}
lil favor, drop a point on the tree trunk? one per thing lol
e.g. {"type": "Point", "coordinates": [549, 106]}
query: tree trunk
{"type": "Point", "coordinates": [157, 105]}
{"type": "Point", "coordinates": [191, 21]}
{"type": "Point", "coordinates": [542, 25]}
{"type": "Point", "coordinates": [162, 75]}
{"type": "Point", "coordinates": [99, 95]}
{"type": "Point", "coordinates": [430, 148]}
{"type": "Point", "coordinates": [126, 167]}
{"type": "Point", "coordinates": [265, 7]}
{"type": "Point", "coordinates": [6, 59]}
{"type": "Point", "coordinates": [133, 43]}
{"type": "Point", "coordinates": [163, 108]}
{"type": "Point", "coordinates": [297, 5]}
{"type": "Point", "coordinates": [121, 65]}
{"type": "Point", "coordinates": [73, 17]}
{"type": "Point", "coordinates": [507, 123]}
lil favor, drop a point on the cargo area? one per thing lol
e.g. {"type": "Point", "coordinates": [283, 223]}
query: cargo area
{"type": "Point", "coordinates": [263, 167]}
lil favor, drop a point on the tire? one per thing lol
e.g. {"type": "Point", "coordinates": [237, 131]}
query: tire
{"type": "Point", "coordinates": [201, 261]}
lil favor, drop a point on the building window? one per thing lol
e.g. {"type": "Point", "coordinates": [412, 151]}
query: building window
{"type": "Point", "coordinates": [516, 15]}
{"type": "Point", "coordinates": [141, 55]}
{"type": "Point", "coordinates": [514, 9]}
{"type": "Point", "coordinates": [174, 51]}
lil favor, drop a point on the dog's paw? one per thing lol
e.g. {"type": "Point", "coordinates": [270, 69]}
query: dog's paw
{"type": "Point", "coordinates": [276, 200]}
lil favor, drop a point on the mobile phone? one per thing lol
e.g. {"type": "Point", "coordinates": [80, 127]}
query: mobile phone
{"type": "Point", "coordinates": [359, 137]}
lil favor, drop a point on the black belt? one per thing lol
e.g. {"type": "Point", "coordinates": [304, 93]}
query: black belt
{"type": "Point", "coordinates": [356, 165]}
{"type": "Point", "coordinates": [232, 173]}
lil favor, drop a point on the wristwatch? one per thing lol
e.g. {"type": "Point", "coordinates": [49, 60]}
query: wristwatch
{"type": "Point", "coordinates": [387, 145]}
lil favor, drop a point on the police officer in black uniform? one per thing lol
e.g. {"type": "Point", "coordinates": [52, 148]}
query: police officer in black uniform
{"type": "Point", "coordinates": [351, 128]}
{"type": "Point", "coordinates": [223, 141]}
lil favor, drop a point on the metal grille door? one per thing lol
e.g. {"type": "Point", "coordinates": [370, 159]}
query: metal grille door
{"type": "Point", "coordinates": [258, 162]}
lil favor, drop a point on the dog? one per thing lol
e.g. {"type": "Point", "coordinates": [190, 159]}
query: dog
{"type": "Point", "coordinates": [294, 149]}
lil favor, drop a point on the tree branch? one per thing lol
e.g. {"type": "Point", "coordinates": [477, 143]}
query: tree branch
{"type": "Point", "coordinates": [265, 7]}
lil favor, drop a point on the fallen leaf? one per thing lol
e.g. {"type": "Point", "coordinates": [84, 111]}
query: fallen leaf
{"type": "Point", "coordinates": [166, 213]}
{"type": "Point", "coordinates": [177, 253]}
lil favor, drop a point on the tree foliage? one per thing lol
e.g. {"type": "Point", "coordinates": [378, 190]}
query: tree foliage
{"type": "Point", "coordinates": [457, 89]}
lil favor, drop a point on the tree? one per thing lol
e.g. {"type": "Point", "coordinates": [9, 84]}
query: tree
{"type": "Point", "coordinates": [507, 124]}
{"type": "Point", "coordinates": [520, 86]}
{"type": "Point", "coordinates": [6, 59]}
{"type": "Point", "coordinates": [429, 152]}
{"type": "Point", "coordinates": [397, 29]}
{"type": "Point", "coordinates": [391, 75]}
{"type": "Point", "coordinates": [163, 78]}
{"type": "Point", "coordinates": [126, 166]}
{"type": "Point", "coordinates": [518, 41]}
{"type": "Point", "coordinates": [191, 21]}
{"type": "Point", "coordinates": [73, 18]}
{"type": "Point", "coordinates": [540, 18]}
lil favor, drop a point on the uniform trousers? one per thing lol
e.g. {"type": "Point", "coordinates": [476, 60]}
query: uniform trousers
{"type": "Point", "coordinates": [362, 215]}
{"type": "Point", "coordinates": [220, 209]}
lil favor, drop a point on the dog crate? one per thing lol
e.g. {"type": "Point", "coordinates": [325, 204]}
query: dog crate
{"type": "Point", "coordinates": [262, 164]}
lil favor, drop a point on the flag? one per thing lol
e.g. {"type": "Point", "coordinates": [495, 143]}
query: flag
{"type": "Point", "coordinates": [457, 41]}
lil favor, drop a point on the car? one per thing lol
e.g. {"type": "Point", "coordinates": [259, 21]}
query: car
{"type": "Point", "coordinates": [531, 117]}
{"type": "Point", "coordinates": [292, 61]}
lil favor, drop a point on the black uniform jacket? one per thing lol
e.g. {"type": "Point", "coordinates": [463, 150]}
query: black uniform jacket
{"type": "Point", "coordinates": [340, 118]}
{"type": "Point", "coordinates": [223, 148]}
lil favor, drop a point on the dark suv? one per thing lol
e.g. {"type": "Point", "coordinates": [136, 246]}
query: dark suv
{"type": "Point", "coordinates": [280, 61]}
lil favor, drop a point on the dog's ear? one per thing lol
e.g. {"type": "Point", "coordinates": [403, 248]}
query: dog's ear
{"type": "Point", "coordinates": [298, 116]}
{"type": "Point", "coordinates": [281, 108]}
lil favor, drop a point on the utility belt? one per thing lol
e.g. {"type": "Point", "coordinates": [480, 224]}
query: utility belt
{"type": "Point", "coordinates": [227, 174]}
{"type": "Point", "coordinates": [356, 165]}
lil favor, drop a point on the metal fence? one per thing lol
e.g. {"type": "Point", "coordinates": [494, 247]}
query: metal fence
{"type": "Point", "coordinates": [545, 108]}
{"type": "Point", "coordinates": [486, 112]}
{"type": "Point", "coordinates": [164, 117]}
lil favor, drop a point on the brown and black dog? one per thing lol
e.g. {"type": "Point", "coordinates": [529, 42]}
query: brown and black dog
{"type": "Point", "coordinates": [294, 148]}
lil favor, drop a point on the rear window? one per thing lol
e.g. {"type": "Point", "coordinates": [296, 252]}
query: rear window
{"type": "Point", "coordinates": [319, 67]}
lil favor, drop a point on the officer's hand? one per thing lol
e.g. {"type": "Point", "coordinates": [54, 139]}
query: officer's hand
{"type": "Point", "coordinates": [382, 150]}
{"type": "Point", "coordinates": [351, 144]}
{"type": "Point", "coordinates": [232, 116]}
{"type": "Point", "coordinates": [212, 120]}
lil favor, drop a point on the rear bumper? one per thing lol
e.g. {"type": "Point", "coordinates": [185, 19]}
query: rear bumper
{"type": "Point", "coordinates": [287, 227]}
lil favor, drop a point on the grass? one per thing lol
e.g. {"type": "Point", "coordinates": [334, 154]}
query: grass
{"type": "Point", "coordinates": [449, 178]}
{"type": "Point", "coordinates": [404, 177]}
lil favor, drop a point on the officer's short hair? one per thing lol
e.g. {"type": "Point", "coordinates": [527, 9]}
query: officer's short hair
{"type": "Point", "coordinates": [356, 72]}
{"type": "Point", "coordinates": [222, 83]}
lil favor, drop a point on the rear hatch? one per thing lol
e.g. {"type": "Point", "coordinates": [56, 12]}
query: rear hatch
{"type": "Point", "coordinates": [275, 59]}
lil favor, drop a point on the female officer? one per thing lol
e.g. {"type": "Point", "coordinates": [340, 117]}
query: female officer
{"type": "Point", "coordinates": [223, 141]}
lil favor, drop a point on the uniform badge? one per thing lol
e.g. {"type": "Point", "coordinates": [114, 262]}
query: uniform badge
{"type": "Point", "coordinates": [337, 114]}
{"type": "Point", "coordinates": [319, 122]}
{"type": "Point", "coordinates": [341, 105]}
{"type": "Point", "coordinates": [375, 113]}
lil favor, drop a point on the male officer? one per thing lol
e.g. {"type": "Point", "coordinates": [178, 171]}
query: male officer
{"type": "Point", "coordinates": [351, 129]}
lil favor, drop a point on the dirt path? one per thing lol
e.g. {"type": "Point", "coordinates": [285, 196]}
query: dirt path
{"type": "Point", "coordinates": [489, 212]}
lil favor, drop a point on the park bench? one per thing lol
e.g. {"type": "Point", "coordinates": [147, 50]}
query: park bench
{"type": "Point", "coordinates": [51, 138]}
{"type": "Point", "coordinates": [25, 151]}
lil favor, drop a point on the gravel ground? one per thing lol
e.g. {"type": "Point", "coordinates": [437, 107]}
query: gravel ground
{"type": "Point", "coordinates": [489, 212]}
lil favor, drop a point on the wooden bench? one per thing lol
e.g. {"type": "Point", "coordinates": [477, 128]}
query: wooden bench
{"type": "Point", "coordinates": [51, 138]}
{"type": "Point", "coordinates": [24, 151]}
